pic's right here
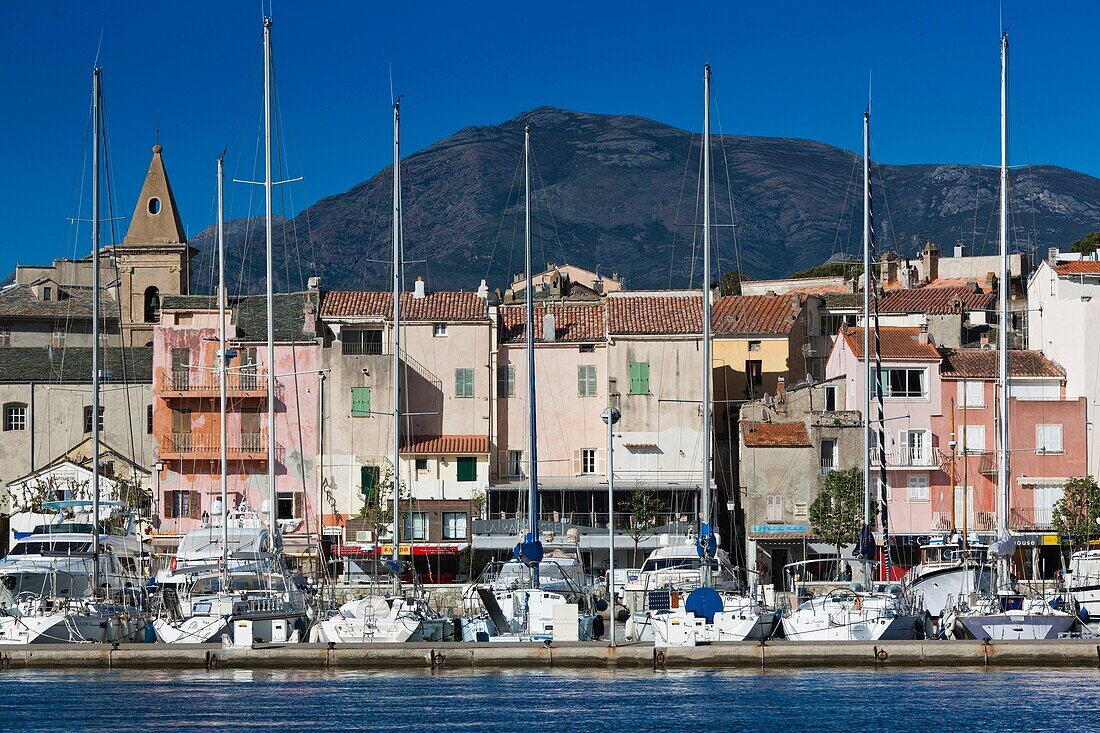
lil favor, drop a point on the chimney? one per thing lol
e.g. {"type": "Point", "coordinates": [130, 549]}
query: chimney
{"type": "Point", "coordinates": [772, 294]}
{"type": "Point", "coordinates": [419, 288]}
{"type": "Point", "coordinates": [960, 249]}
{"type": "Point", "coordinates": [922, 337]}
{"type": "Point", "coordinates": [549, 331]}
{"type": "Point", "coordinates": [780, 388]}
{"type": "Point", "coordinates": [483, 290]}
{"type": "Point", "coordinates": [888, 269]}
{"type": "Point", "coordinates": [1052, 256]}
{"type": "Point", "coordinates": [971, 286]}
{"type": "Point", "coordinates": [314, 283]}
{"type": "Point", "coordinates": [930, 257]}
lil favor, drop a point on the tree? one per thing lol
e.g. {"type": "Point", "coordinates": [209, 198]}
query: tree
{"type": "Point", "coordinates": [1076, 512]}
{"type": "Point", "coordinates": [837, 513]}
{"type": "Point", "coordinates": [644, 510]}
{"type": "Point", "coordinates": [1088, 245]}
{"type": "Point", "coordinates": [378, 506]}
{"type": "Point", "coordinates": [848, 270]}
{"type": "Point", "coordinates": [730, 282]}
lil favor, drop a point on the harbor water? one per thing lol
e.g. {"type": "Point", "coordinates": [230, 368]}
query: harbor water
{"type": "Point", "coordinates": [820, 700]}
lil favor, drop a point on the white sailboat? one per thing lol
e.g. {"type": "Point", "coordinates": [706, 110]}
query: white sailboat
{"type": "Point", "coordinates": [393, 617]}
{"type": "Point", "coordinates": [1005, 614]}
{"type": "Point", "coordinates": [77, 579]}
{"type": "Point", "coordinates": [249, 597]}
{"type": "Point", "coordinates": [707, 614]}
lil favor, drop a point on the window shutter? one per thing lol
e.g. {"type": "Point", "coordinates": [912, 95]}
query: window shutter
{"type": "Point", "coordinates": [643, 374]}
{"type": "Point", "coordinates": [193, 505]}
{"type": "Point", "coordinates": [360, 401]}
{"type": "Point", "coordinates": [578, 462]}
{"type": "Point", "coordinates": [903, 448]}
{"type": "Point", "coordinates": [601, 461]}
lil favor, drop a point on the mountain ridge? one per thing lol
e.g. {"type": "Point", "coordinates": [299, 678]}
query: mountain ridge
{"type": "Point", "coordinates": [620, 192]}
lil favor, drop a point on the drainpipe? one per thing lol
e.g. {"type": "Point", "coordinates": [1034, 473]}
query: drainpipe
{"type": "Point", "coordinates": [30, 409]}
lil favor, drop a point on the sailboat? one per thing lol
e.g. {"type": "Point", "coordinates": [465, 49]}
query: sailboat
{"type": "Point", "coordinates": [521, 606]}
{"type": "Point", "coordinates": [1005, 614]}
{"type": "Point", "coordinates": [78, 578]}
{"type": "Point", "coordinates": [864, 610]}
{"type": "Point", "coordinates": [248, 596]}
{"type": "Point", "coordinates": [393, 617]}
{"type": "Point", "coordinates": [707, 614]}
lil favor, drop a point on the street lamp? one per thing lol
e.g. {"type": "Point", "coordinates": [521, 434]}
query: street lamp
{"type": "Point", "coordinates": [611, 416]}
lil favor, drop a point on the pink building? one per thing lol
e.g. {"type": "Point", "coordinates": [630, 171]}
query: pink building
{"type": "Point", "coordinates": [184, 416]}
{"type": "Point", "coordinates": [1047, 435]}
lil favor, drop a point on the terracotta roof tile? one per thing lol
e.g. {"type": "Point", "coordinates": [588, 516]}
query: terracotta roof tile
{"type": "Point", "coordinates": [1078, 267]}
{"type": "Point", "coordinates": [679, 312]}
{"type": "Point", "coordinates": [572, 322]}
{"type": "Point", "coordinates": [446, 445]}
{"type": "Point", "coordinates": [443, 306]}
{"type": "Point", "coordinates": [982, 364]}
{"type": "Point", "coordinates": [895, 342]}
{"type": "Point", "coordinates": [756, 314]}
{"type": "Point", "coordinates": [775, 435]}
{"type": "Point", "coordinates": [934, 300]}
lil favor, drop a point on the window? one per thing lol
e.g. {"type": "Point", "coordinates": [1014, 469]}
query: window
{"type": "Point", "coordinates": [421, 465]}
{"type": "Point", "coordinates": [586, 380]}
{"type": "Point", "coordinates": [1035, 391]}
{"type": "Point", "coordinates": [464, 382]}
{"type": "Point", "coordinates": [369, 478]}
{"type": "Point", "coordinates": [915, 448]}
{"type": "Point", "coordinates": [1048, 438]}
{"type": "Point", "coordinates": [515, 463]}
{"type": "Point", "coordinates": [47, 293]}
{"type": "Point", "coordinates": [182, 504]}
{"type": "Point", "coordinates": [15, 416]}
{"type": "Point", "coordinates": [154, 206]}
{"type": "Point", "coordinates": [5, 336]}
{"type": "Point", "coordinates": [975, 439]}
{"type": "Point", "coordinates": [900, 382]}
{"type": "Point", "coordinates": [454, 525]}
{"type": "Point", "coordinates": [587, 348]}
{"type": "Point", "coordinates": [830, 324]}
{"type": "Point", "coordinates": [360, 401]}
{"type": "Point", "coordinates": [59, 338]}
{"type": "Point", "coordinates": [506, 380]}
{"type": "Point", "coordinates": [415, 526]}
{"type": "Point", "coordinates": [964, 506]}
{"type": "Point", "coordinates": [467, 468]}
{"type": "Point", "coordinates": [639, 377]}
{"type": "Point", "coordinates": [754, 346]}
{"type": "Point", "coordinates": [181, 369]}
{"type": "Point", "coordinates": [148, 419]}
{"type": "Point", "coordinates": [252, 437]}
{"type": "Point", "coordinates": [439, 330]}
{"type": "Point", "coordinates": [774, 509]}
{"type": "Point", "coordinates": [289, 505]}
{"type": "Point", "coordinates": [754, 376]}
{"type": "Point", "coordinates": [361, 341]}
{"type": "Point", "coordinates": [88, 418]}
{"type": "Point", "coordinates": [828, 455]}
{"type": "Point", "coordinates": [588, 460]}
{"type": "Point", "coordinates": [830, 398]}
{"type": "Point", "coordinates": [248, 362]}
{"type": "Point", "coordinates": [918, 487]}
{"type": "Point", "coordinates": [971, 394]}
{"type": "Point", "coordinates": [152, 304]}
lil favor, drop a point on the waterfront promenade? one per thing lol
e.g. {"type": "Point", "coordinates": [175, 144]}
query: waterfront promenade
{"type": "Point", "coordinates": [1080, 653]}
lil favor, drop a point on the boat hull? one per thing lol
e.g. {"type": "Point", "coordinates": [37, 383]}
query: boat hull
{"type": "Point", "coordinates": [886, 628]}
{"type": "Point", "coordinates": [68, 627]}
{"type": "Point", "coordinates": [1012, 625]}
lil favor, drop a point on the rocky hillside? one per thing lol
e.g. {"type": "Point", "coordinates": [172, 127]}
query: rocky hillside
{"type": "Point", "coordinates": [621, 194]}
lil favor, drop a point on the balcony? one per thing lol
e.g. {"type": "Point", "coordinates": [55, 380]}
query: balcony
{"type": "Point", "coordinates": [1039, 519]}
{"type": "Point", "coordinates": [204, 447]}
{"type": "Point", "coordinates": [194, 382]}
{"type": "Point", "coordinates": [584, 522]}
{"type": "Point", "coordinates": [903, 458]}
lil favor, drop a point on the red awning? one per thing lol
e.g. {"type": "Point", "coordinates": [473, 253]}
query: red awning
{"type": "Point", "coordinates": [449, 548]}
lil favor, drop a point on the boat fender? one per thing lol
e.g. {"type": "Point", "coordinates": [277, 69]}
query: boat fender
{"type": "Point", "coordinates": [597, 627]}
{"type": "Point", "coordinates": [631, 628]}
{"type": "Point", "coordinates": [601, 605]}
{"type": "Point", "coordinates": [1084, 615]}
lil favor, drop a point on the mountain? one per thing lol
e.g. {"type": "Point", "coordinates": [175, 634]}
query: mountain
{"type": "Point", "coordinates": [620, 193]}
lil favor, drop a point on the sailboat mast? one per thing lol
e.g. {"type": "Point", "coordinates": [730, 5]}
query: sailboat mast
{"type": "Point", "coordinates": [97, 74]}
{"type": "Point", "coordinates": [396, 356]}
{"type": "Point", "coordinates": [1002, 306]}
{"type": "Point", "coordinates": [704, 508]}
{"type": "Point", "coordinates": [272, 497]}
{"type": "Point", "coordinates": [223, 433]}
{"type": "Point", "coordinates": [529, 298]}
{"type": "Point", "coordinates": [867, 280]}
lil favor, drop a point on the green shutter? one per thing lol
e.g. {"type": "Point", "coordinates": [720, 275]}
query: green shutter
{"type": "Point", "coordinates": [467, 468]}
{"type": "Point", "coordinates": [360, 401]}
{"type": "Point", "coordinates": [639, 377]}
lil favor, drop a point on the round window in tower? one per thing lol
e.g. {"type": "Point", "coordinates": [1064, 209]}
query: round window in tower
{"type": "Point", "coordinates": [154, 206]}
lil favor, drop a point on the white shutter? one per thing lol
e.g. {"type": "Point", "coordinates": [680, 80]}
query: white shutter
{"type": "Point", "coordinates": [578, 462]}
{"type": "Point", "coordinates": [902, 448]}
{"type": "Point", "coordinates": [601, 461]}
{"type": "Point", "coordinates": [975, 438]}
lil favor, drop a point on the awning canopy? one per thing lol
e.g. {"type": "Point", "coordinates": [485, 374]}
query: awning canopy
{"type": "Point", "coordinates": [445, 548]}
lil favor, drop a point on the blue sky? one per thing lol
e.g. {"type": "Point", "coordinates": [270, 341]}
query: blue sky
{"type": "Point", "coordinates": [781, 68]}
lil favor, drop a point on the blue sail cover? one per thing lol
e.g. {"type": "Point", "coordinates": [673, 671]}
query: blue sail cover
{"type": "Point", "coordinates": [706, 543]}
{"type": "Point", "coordinates": [529, 551]}
{"type": "Point", "coordinates": [865, 545]}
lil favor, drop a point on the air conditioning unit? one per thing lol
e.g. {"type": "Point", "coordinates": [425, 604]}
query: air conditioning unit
{"type": "Point", "coordinates": [364, 536]}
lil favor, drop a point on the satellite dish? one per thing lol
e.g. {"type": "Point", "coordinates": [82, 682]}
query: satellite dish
{"type": "Point", "coordinates": [768, 401]}
{"type": "Point", "coordinates": [810, 380]}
